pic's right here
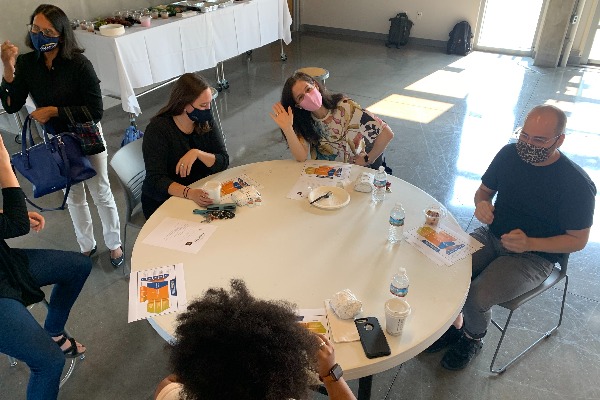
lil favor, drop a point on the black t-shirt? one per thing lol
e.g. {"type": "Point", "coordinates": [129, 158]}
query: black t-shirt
{"type": "Point", "coordinates": [541, 201]}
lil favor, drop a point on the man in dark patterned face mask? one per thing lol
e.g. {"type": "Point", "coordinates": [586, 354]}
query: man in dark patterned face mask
{"type": "Point", "coordinates": [543, 209]}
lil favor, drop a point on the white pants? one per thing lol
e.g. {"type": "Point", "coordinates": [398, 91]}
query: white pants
{"type": "Point", "coordinates": [99, 188]}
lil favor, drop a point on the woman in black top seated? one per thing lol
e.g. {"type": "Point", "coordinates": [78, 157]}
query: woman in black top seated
{"type": "Point", "coordinates": [22, 273]}
{"type": "Point", "coordinates": [182, 144]}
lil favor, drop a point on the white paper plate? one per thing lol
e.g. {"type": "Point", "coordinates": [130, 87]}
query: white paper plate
{"type": "Point", "coordinates": [338, 199]}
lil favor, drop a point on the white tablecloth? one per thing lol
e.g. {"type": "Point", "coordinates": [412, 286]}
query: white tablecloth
{"type": "Point", "coordinates": [174, 46]}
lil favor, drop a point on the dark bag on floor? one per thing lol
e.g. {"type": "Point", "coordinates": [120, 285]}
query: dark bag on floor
{"type": "Point", "coordinates": [55, 164]}
{"type": "Point", "coordinates": [460, 39]}
{"type": "Point", "coordinates": [88, 133]}
{"type": "Point", "coordinates": [132, 133]}
{"type": "Point", "coordinates": [399, 30]}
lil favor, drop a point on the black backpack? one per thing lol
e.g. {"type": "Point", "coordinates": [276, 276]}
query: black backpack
{"type": "Point", "coordinates": [460, 39]}
{"type": "Point", "coordinates": [399, 30]}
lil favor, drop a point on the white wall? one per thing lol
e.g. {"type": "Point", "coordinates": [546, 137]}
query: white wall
{"type": "Point", "coordinates": [439, 16]}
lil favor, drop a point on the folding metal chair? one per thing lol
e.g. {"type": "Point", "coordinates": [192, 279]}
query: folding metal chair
{"type": "Point", "coordinates": [13, 361]}
{"type": "Point", "coordinates": [555, 277]}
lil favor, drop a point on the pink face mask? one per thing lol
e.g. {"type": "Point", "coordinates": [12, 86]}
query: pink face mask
{"type": "Point", "coordinates": [312, 100]}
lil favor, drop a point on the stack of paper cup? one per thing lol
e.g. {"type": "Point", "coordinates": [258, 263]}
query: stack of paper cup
{"type": "Point", "coordinates": [396, 312]}
{"type": "Point", "coordinates": [213, 190]}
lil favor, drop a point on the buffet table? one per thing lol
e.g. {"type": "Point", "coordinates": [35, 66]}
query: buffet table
{"type": "Point", "coordinates": [174, 46]}
{"type": "Point", "coordinates": [288, 249]}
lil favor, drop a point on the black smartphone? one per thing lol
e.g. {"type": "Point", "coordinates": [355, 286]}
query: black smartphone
{"type": "Point", "coordinates": [372, 338]}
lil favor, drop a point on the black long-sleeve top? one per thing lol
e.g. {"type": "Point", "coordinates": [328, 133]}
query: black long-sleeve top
{"type": "Point", "coordinates": [68, 84]}
{"type": "Point", "coordinates": [164, 145]}
{"type": "Point", "coordinates": [16, 282]}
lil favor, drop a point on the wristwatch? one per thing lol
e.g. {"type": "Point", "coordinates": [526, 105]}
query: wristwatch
{"type": "Point", "coordinates": [367, 159]}
{"type": "Point", "coordinates": [335, 373]}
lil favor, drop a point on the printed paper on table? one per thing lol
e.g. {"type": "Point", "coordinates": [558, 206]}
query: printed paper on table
{"type": "Point", "coordinates": [180, 235]}
{"type": "Point", "coordinates": [316, 174]}
{"type": "Point", "coordinates": [232, 185]}
{"type": "Point", "coordinates": [441, 244]}
{"type": "Point", "coordinates": [156, 291]}
{"type": "Point", "coordinates": [314, 319]}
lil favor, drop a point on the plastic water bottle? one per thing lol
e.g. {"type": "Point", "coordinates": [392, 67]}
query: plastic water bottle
{"type": "Point", "coordinates": [380, 181]}
{"type": "Point", "coordinates": [396, 230]}
{"type": "Point", "coordinates": [399, 284]}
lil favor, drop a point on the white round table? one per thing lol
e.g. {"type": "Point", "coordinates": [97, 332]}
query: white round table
{"type": "Point", "coordinates": [288, 249]}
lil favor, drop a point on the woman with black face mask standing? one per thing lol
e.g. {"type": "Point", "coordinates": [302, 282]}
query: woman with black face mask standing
{"type": "Point", "coordinates": [182, 144]}
{"type": "Point", "coordinates": [62, 81]}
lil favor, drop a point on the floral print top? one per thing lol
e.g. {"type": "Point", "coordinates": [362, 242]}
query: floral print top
{"type": "Point", "coordinates": [345, 131]}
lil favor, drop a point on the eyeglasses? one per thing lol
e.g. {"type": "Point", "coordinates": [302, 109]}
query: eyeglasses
{"type": "Point", "coordinates": [539, 140]}
{"type": "Point", "coordinates": [49, 33]}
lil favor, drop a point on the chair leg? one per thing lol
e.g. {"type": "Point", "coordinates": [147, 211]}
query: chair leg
{"type": "Point", "coordinates": [124, 247]}
{"type": "Point", "coordinates": [544, 336]}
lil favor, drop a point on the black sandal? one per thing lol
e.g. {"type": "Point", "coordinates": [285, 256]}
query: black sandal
{"type": "Point", "coordinates": [71, 351]}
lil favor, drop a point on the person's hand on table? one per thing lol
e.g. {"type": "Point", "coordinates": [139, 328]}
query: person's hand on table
{"type": "Point", "coordinates": [184, 165]}
{"type": "Point", "coordinates": [199, 197]}
{"type": "Point", "coordinates": [36, 221]}
{"type": "Point", "coordinates": [484, 212]}
{"type": "Point", "coordinates": [43, 114]}
{"type": "Point", "coordinates": [282, 118]}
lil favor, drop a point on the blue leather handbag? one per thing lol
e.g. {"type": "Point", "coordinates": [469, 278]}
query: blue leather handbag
{"type": "Point", "coordinates": [55, 164]}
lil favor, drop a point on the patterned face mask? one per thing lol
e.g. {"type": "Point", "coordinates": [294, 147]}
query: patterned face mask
{"type": "Point", "coordinates": [531, 153]}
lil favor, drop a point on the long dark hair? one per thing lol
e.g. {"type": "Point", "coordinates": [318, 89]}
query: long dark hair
{"type": "Point", "coordinates": [67, 45]}
{"type": "Point", "coordinates": [303, 122]}
{"type": "Point", "coordinates": [185, 91]}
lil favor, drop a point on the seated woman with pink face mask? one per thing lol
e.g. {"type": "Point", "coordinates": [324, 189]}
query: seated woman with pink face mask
{"type": "Point", "coordinates": [321, 125]}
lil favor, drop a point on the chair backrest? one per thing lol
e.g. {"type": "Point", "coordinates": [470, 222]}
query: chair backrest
{"type": "Point", "coordinates": [128, 163]}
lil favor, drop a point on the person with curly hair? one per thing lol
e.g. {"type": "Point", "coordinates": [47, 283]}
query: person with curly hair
{"type": "Point", "coordinates": [230, 345]}
{"type": "Point", "coordinates": [329, 126]}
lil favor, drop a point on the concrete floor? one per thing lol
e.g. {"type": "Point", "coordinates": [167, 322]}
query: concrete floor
{"type": "Point", "coordinates": [451, 115]}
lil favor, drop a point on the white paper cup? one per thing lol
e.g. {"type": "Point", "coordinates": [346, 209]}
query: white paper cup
{"type": "Point", "coordinates": [396, 312]}
{"type": "Point", "coordinates": [213, 189]}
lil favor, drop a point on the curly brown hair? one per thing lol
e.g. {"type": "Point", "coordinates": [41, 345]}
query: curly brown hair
{"type": "Point", "coordinates": [230, 345]}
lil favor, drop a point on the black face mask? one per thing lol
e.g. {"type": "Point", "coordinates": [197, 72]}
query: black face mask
{"type": "Point", "coordinates": [200, 116]}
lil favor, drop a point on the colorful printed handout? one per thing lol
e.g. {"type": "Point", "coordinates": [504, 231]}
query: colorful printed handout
{"type": "Point", "coordinates": [442, 245]}
{"type": "Point", "coordinates": [316, 174]}
{"type": "Point", "coordinates": [232, 185]}
{"type": "Point", "coordinates": [156, 291]}
{"type": "Point", "coordinates": [314, 319]}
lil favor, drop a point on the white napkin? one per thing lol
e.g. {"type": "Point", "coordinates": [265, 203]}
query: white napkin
{"type": "Point", "coordinates": [342, 330]}
{"type": "Point", "coordinates": [364, 183]}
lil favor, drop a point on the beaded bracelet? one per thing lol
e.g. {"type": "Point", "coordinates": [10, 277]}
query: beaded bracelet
{"type": "Point", "coordinates": [185, 191]}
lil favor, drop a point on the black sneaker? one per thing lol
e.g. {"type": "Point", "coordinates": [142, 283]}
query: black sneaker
{"type": "Point", "coordinates": [449, 337]}
{"type": "Point", "coordinates": [461, 353]}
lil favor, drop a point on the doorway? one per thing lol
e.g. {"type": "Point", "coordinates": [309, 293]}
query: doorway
{"type": "Point", "coordinates": [508, 26]}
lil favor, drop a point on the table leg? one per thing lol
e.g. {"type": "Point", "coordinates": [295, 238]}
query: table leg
{"type": "Point", "coordinates": [364, 387]}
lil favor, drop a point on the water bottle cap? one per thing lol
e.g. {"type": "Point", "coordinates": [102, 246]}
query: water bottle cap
{"type": "Point", "coordinates": [381, 168]}
{"type": "Point", "coordinates": [402, 270]}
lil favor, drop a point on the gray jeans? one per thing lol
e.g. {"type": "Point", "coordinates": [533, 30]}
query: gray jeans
{"type": "Point", "coordinates": [498, 275]}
